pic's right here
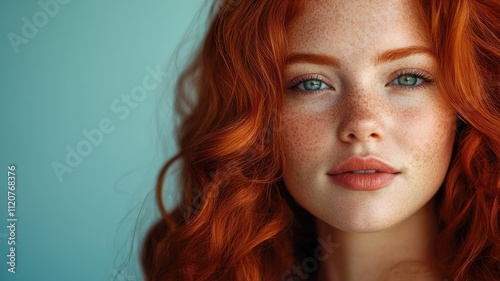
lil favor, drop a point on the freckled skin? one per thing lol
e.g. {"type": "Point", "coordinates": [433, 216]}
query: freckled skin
{"type": "Point", "coordinates": [385, 234]}
{"type": "Point", "coordinates": [411, 129]}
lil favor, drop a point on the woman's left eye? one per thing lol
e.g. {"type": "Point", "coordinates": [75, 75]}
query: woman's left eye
{"type": "Point", "coordinates": [408, 80]}
{"type": "Point", "coordinates": [312, 85]}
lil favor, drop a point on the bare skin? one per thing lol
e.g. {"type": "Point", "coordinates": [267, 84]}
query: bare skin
{"type": "Point", "coordinates": [361, 84]}
{"type": "Point", "coordinates": [403, 252]}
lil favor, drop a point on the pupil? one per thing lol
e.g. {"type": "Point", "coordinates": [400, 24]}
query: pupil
{"type": "Point", "coordinates": [313, 84]}
{"type": "Point", "coordinates": [408, 80]}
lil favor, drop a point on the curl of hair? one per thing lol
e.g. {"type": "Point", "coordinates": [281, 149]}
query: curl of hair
{"type": "Point", "coordinates": [236, 220]}
{"type": "Point", "coordinates": [232, 221]}
{"type": "Point", "coordinates": [466, 38]}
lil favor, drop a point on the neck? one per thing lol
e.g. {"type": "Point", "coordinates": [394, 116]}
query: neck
{"type": "Point", "coordinates": [403, 252]}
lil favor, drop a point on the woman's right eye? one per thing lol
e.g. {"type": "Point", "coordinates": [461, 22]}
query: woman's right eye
{"type": "Point", "coordinates": [312, 85]}
{"type": "Point", "coordinates": [309, 84]}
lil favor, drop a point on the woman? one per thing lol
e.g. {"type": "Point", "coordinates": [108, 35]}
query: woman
{"type": "Point", "coordinates": [337, 140]}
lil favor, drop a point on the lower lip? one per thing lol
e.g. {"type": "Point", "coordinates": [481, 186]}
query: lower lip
{"type": "Point", "coordinates": [363, 182]}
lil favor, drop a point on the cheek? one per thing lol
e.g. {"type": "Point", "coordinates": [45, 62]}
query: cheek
{"type": "Point", "coordinates": [428, 141]}
{"type": "Point", "coordinates": [305, 140]}
{"type": "Point", "coordinates": [306, 136]}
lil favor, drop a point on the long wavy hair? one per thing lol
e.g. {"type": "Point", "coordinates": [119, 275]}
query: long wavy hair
{"type": "Point", "coordinates": [236, 220]}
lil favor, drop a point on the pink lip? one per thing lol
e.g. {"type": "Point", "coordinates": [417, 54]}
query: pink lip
{"type": "Point", "coordinates": [343, 175]}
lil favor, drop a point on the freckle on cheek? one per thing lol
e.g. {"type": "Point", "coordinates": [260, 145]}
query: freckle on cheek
{"type": "Point", "coordinates": [301, 137]}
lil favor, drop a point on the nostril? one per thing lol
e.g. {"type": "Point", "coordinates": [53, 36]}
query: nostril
{"type": "Point", "coordinates": [361, 136]}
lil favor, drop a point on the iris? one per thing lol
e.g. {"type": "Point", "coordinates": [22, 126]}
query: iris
{"type": "Point", "coordinates": [409, 80]}
{"type": "Point", "coordinates": [312, 85]}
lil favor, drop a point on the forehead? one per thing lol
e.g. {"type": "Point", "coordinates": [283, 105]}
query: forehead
{"type": "Point", "coordinates": [330, 24]}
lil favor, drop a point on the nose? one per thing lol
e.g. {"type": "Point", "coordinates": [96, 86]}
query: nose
{"type": "Point", "coordinates": [362, 118]}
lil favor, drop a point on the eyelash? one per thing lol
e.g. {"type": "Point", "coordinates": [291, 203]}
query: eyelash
{"type": "Point", "coordinates": [294, 84]}
{"type": "Point", "coordinates": [426, 80]}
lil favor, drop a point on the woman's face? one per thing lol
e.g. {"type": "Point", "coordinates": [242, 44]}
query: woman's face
{"type": "Point", "coordinates": [367, 135]}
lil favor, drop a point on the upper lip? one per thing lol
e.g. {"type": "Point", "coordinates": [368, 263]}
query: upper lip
{"type": "Point", "coordinates": [357, 163]}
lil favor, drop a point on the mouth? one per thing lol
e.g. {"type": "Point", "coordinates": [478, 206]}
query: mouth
{"type": "Point", "coordinates": [363, 174]}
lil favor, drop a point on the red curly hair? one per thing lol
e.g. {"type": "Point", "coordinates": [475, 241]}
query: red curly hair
{"type": "Point", "coordinates": [236, 220]}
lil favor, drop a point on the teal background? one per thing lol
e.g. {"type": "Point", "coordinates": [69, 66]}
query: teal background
{"type": "Point", "coordinates": [65, 79]}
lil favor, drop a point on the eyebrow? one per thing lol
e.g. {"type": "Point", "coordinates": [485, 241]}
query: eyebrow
{"type": "Point", "coordinates": [313, 58]}
{"type": "Point", "coordinates": [389, 55]}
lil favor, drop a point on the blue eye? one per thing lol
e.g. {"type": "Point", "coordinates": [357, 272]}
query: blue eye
{"type": "Point", "coordinates": [408, 80]}
{"type": "Point", "coordinates": [411, 80]}
{"type": "Point", "coordinates": [312, 85]}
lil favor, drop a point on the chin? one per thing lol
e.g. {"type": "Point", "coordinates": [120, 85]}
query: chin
{"type": "Point", "coordinates": [363, 223]}
{"type": "Point", "coordinates": [352, 227]}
